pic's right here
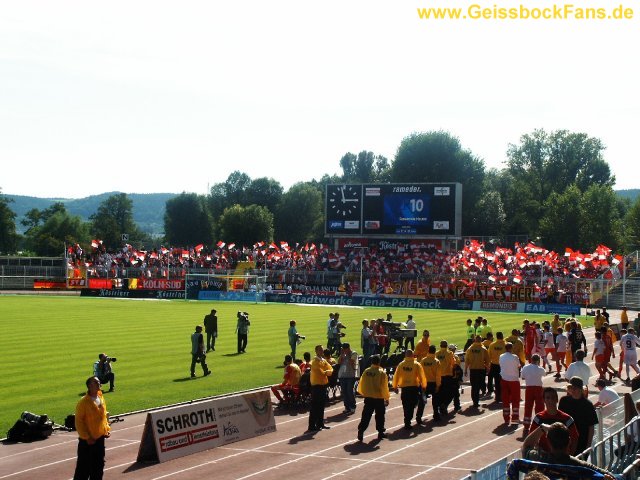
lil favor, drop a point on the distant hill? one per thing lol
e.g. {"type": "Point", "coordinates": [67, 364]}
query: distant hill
{"type": "Point", "coordinates": [631, 194]}
{"type": "Point", "coordinates": [148, 208]}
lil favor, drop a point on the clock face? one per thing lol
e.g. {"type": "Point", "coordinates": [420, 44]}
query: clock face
{"type": "Point", "coordinates": [344, 201]}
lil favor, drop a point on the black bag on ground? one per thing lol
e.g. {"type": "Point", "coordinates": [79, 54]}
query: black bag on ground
{"type": "Point", "coordinates": [70, 422]}
{"type": "Point", "coordinates": [30, 427]}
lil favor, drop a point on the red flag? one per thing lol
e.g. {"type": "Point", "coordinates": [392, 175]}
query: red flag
{"type": "Point", "coordinates": [198, 248]}
{"type": "Point", "coordinates": [231, 246]}
{"type": "Point", "coordinates": [96, 243]}
{"type": "Point", "coordinates": [220, 244]}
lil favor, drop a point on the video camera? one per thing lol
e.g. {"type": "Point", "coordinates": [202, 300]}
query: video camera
{"type": "Point", "coordinates": [110, 359]}
{"type": "Point", "coordinates": [395, 331]}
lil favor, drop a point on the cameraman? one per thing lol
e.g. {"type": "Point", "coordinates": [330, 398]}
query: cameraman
{"type": "Point", "coordinates": [242, 329]}
{"type": "Point", "coordinates": [102, 370]}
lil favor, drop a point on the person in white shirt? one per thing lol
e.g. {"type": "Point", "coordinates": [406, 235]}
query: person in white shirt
{"type": "Point", "coordinates": [549, 346]}
{"type": "Point", "coordinates": [598, 353]}
{"type": "Point", "coordinates": [628, 344]}
{"type": "Point", "coordinates": [606, 395]}
{"type": "Point", "coordinates": [411, 325]}
{"type": "Point", "coordinates": [561, 351]}
{"type": "Point", "coordinates": [579, 369]}
{"type": "Point", "coordinates": [532, 375]}
{"type": "Point", "coordinates": [510, 384]}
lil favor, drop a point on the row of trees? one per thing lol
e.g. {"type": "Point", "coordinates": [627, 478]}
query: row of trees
{"type": "Point", "coordinates": [555, 187]}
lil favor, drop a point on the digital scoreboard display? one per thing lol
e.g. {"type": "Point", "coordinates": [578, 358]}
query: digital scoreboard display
{"type": "Point", "coordinates": [394, 210]}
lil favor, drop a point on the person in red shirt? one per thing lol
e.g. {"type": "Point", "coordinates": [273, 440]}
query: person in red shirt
{"type": "Point", "coordinates": [529, 331]}
{"type": "Point", "coordinates": [550, 415]}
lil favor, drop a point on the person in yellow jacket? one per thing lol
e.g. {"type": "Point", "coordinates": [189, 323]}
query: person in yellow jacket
{"type": "Point", "coordinates": [476, 361]}
{"type": "Point", "coordinates": [433, 373]}
{"type": "Point", "coordinates": [423, 346]}
{"type": "Point", "coordinates": [409, 376]}
{"type": "Point", "coordinates": [92, 426]}
{"type": "Point", "coordinates": [374, 387]}
{"type": "Point", "coordinates": [496, 349]}
{"type": "Point", "coordinates": [321, 370]}
{"type": "Point", "coordinates": [448, 386]}
{"type": "Point", "coordinates": [518, 345]}
{"type": "Point", "coordinates": [624, 318]}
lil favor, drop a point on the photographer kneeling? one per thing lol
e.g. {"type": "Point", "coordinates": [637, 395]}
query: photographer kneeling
{"type": "Point", "coordinates": [102, 370]}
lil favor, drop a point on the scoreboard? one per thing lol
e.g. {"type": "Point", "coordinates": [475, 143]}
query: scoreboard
{"type": "Point", "coordinates": [394, 210]}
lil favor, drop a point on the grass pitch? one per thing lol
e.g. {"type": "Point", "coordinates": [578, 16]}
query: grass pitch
{"type": "Point", "coordinates": [48, 346]}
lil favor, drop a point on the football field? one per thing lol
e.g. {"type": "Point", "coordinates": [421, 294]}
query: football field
{"type": "Point", "coordinates": [49, 344]}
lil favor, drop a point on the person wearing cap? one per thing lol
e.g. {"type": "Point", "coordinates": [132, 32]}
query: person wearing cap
{"type": "Point", "coordinates": [510, 385]}
{"type": "Point", "coordinates": [198, 354]}
{"type": "Point", "coordinates": [409, 376]}
{"type": "Point", "coordinates": [581, 410]}
{"type": "Point", "coordinates": [374, 387]}
{"type": "Point", "coordinates": [211, 329]}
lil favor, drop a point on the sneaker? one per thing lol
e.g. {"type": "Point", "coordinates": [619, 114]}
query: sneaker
{"type": "Point", "coordinates": [352, 411]}
{"type": "Point", "coordinates": [325, 427]}
{"type": "Point", "coordinates": [525, 432]}
{"type": "Point", "coordinates": [557, 375]}
{"type": "Point", "coordinates": [381, 435]}
{"type": "Point", "coordinates": [457, 408]}
{"type": "Point", "coordinates": [437, 418]}
{"type": "Point", "coordinates": [208, 372]}
{"type": "Point", "coordinates": [360, 436]}
{"type": "Point", "coordinates": [193, 375]}
{"type": "Point", "coordinates": [407, 426]}
{"type": "Point", "coordinates": [419, 421]}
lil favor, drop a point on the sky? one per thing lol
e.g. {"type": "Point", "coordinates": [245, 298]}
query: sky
{"type": "Point", "coordinates": [156, 96]}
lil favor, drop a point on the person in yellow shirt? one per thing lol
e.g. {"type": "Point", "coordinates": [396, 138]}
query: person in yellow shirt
{"type": "Point", "coordinates": [290, 381]}
{"type": "Point", "coordinates": [374, 387]}
{"type": "Point", "coordinates": [321, 370]}
{"type": "Point", "coordinates": [433, 373]}
{"type": "Point", "coordinates": [471, 334]}
{"type": "Point", "coordinates": [599, 320]}
{"type": "Point", "coordinates": [624, 318]}
{"type": "Point", "coordinates": [555, 324]}
{"type": "Point", "coordinates": [486, 342]}
{"type": "Point", "coordinates": [496, 349]}
{"type": "Point", "coordinates": [476, 361]}
{"type": "Point", "coordinates": [92, 426]}
{"type": "Point", "coordinates": [518, 346]}
{"type": "Point", "coordinates": [409, 376]}
{"type": "Point", "coordinates": [423, 346]}
{"type": "Point", "coordinates": [448, 386]}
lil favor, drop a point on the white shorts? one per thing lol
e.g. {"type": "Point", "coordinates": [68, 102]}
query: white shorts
{"type": "Point", "coordinates": [630, 357]}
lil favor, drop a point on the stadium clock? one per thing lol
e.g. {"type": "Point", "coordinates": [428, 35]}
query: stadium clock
{"type": "Point", "coordinates": [343, 201]}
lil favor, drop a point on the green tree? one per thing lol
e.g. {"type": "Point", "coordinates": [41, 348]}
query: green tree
{"type": "Point", "coordinates": [233, 191]}
{"type": "Point", "coordinates": [631, 229]}
{"type": "Point", "coordinates": [264, 191]}
{"type": "Point", "coordinates": [300, 215]}
{"type": "Point", "coordinates": [113, 218]}
{"type": "Point", "coordinates": [53, 228]}
{"type": "Point", "coordinates": [8, 236]}
{"type": "Point", "coordinates": [601, 222]}
{"type": "Point", "coordinates": [246, 225]}
{"type": "Point", "coordinates": [366, 167]}
{"type": "Point", "coordinates": [562, 223]}
{"type": "Point", "coordinates": [187, 220]}
{"type": "Point", "coordinates": [439, 157]}
{"type": "Point", "coordinates": [545, 163]}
